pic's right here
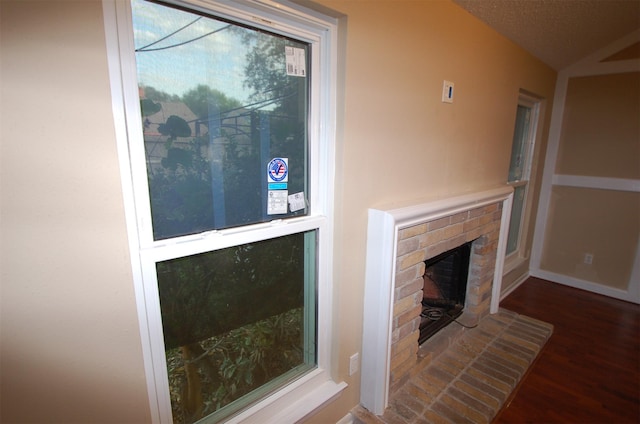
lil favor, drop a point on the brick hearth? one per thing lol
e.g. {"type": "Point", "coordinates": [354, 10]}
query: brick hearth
{"type": "Point", "coordinates": [472, 379]}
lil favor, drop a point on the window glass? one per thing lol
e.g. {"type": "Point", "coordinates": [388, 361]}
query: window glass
{"type": "Point", "coordinates": [224, 111]}
{"type": "Point", "coordinates": [235, 320]}
{"type": "Point", "coordinates": [517, 210]}
{"type": "Point", "coordinates": [519, 148]}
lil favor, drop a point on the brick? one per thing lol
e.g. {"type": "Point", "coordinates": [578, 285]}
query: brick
{"type": "Point", "coordinates": [456, 241]}
{"type": "Point", "coordinates": [508, 354]}
{"type": "Point", "coordinates": [408, 245]}
{"type": "Point", "coordinates": [432, 417]}
{"type": "Point", "coordinates": [390, 417]}
{"type": "Point", "coordinates": [514, 348]}
{"type": "Point", "coordinates": [535, 339]}
{"type": "Point", "coordinates": [484, 387]}
{"type": "Point", "coordinates": [508, 364]}
{"type": "Point", "coordinates": [413, 231]}
{"type": "Point", "coordinates": [476, 212]}
{"type": "Point", "coordinates": [407, 399]}
{"type": "Point", "coordinates": [404, 304]}
{"type": "Point", "coordinates": [432, 237]}
{"type": "Point", "coordinates": [411, 259]}
{"type": "Point", "coordinates": [531, 328]}
{"type": "Point", "coordinates": [363, 416]}
{"type": "Point", "coordinates": [406, 329]}
{"type": "Point", "coordinates": [490, 380]}
{"type": "Point", "coordinates": [431, 386]}
{"type": "Point", "coordinates": [419, 394]}
{"type": "Point", "coordinates": [442, 409]}
{"type": "Point", "coordinates": [453, 230]}
{"type": "Point", "coordinates": [459, 217]}
{"type": "Point", "coordinates": [509, 381]}
{"type": "Point", "coordinates": [438, 223]}
{"type": "Point", "coordinates": [452, 362]}
{"type": "Point", "coordinates": [534, 322]}
{"type": "Point", "coordinates": [471, 224]}
{"type": "Point", "coordinates": [484, 360]}
{"type": "Point", "coordinates": [480, 396]}
{"type": "Point", "coordinates": [536, 333]}
{"type": "Point", "coordinates": [409, 315]}
{"type": "Point", "coordinates": [409, 343]}
{"type": "Point", "coordinates": [463, 409]}
{"type": "Point", "coordinates": [409, 289]}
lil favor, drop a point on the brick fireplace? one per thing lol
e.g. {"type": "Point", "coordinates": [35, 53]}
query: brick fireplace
{"type": "Point", "coordinates": [400, 240]}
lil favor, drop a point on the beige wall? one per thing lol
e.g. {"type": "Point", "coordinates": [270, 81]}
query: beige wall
{"type": "Point", "coordinates": [601, 127]}
{"type": "Point", "coordinates": [70, 344]}
{"type": "Point", "coordinates": [604, 223]}
{"type": "Point", "coordinates": [71, 348]}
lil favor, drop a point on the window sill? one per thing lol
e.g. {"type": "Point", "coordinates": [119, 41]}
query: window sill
{"type": "Point", "coordinates": [293, 402]}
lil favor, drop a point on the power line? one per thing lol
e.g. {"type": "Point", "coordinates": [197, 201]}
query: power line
{"type": "Point", "coordinates": [145, 49]}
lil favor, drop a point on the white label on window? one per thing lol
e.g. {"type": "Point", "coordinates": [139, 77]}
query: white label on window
{"type": "Point", "coordinates": [277, 202]}
{"type": "Point", "coordinates": [296, 202]}
{"type": "Point", "coordinates": [296, 62]}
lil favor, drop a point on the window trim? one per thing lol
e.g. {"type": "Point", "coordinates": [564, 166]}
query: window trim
{"type": "Point", "coordinates": [518, 256]}
{"type": "Point", "coordinates": [317, 387]}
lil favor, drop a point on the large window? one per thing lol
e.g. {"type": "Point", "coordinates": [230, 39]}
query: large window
{"type": "Point", "coordinates": [520, 172]}
{"type": "Point", "coordinates": [228, 152]}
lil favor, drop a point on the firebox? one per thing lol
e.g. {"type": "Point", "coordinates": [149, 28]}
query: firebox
{"type": "Point", "coordinates": [444, 290]}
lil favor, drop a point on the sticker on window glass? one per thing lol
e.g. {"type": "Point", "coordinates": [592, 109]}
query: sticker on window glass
{"type": "Point", "coordinates": [297, 202]}
{"type": "Point", "coordinates": [277, 202]}
{"type": "Point", "coordinates": [278, 170]}
{"type": "Point", "coordinates": [296, 61]}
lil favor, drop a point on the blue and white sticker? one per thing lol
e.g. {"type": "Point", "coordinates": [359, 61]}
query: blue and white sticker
{"type": "Point", "coordinates": [278, 170]}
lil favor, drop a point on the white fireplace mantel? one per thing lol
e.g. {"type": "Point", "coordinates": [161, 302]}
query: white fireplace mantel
{"type": "Point", "coordinates": [383, 227]}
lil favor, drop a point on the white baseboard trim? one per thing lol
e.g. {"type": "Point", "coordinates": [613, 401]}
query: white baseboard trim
{"type": "Point", "coordinates": [584, 285]}
{"type": "Point", "coordinates": [347, 419]}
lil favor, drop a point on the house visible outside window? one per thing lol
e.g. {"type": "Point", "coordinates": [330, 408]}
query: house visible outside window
{"type": "Point", "coordinates": [229, 148]}
{"type": "Point", "coordinates": [520, 172]}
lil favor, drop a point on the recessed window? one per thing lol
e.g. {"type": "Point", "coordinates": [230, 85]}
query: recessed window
{"type": "Point", "coordinates": [229, 149]}
{"type": "Point", "coordinates": [520, 170]}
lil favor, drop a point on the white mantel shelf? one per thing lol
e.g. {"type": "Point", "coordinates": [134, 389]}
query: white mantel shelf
{"type": "Point", "coordinates": [383, 227]}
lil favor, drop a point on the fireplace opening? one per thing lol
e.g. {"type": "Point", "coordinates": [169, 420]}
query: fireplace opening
{"type": "Point", "coordinates": [444, 290]}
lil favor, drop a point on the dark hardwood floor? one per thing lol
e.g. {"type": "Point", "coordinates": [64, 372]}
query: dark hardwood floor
{"type": "Point", "coordinates": [589, 371]}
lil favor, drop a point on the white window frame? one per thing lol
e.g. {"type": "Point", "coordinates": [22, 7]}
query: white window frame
{"type": "Point", "coordinates": [518, 256]}
{"type": "Point", "coordinates": [317, 387]}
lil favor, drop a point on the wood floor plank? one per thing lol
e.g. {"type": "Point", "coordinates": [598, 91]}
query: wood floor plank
{"type": "Point", "coordinates": [589, 371]}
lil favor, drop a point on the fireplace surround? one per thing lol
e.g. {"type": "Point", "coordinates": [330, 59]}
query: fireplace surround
{"type": "Point", "coordinates": [400, 239]}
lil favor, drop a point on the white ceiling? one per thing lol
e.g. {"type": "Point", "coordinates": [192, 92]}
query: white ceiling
{"type": "Point", "coordinates": [559, 32]}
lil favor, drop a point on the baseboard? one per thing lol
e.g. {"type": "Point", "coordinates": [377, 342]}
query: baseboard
{"type": "Point", "coordinates": [347, 419]}
{"type": "Point", "coordinates": [584, 285]}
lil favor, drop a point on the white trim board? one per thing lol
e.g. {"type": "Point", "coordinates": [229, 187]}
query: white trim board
{"type": "Point", "coordinates": [590, 65]}
{"type": "Point", "coordinates": [603, 183]}
{"type": "Point", "coordinates": [585, 285]}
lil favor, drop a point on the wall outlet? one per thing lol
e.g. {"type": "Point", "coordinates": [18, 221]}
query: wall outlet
{"type": "Point", "coordinates": [354, 363]}
{"type": "Point", "coordinates": [588, 258]}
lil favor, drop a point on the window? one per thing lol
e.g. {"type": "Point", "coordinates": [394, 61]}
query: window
{"type": "Point", "coordinates": [226, 142]}
{"type": "Point", "coordinates": [520, 172]}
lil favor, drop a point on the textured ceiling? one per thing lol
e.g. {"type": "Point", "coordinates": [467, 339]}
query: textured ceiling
{"type": "Point", "coordinates": [559, 32]}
